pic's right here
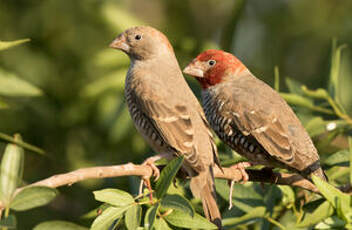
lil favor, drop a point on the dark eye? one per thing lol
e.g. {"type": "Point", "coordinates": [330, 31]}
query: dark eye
{"type": "Point", "coordinates": [138, 37]}
{"type": "Point", "coordinates": [212, 62]}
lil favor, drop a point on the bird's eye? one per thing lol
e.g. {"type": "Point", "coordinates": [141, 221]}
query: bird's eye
{"type": "Point", "coordinates": [138, 37]}
{"type": "Point", "coordinates": [212, 62]}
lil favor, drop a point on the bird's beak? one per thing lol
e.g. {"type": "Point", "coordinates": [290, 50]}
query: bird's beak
{"type": "Point", "coordinates": [194, 69]}
{"type": "Point", "coordinates": [120, 43]}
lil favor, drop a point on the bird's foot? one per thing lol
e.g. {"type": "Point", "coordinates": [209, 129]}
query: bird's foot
{"type": "Point", "coordinates": [242, 167]}
{"type": "Point", "coordinates": [155, 173]}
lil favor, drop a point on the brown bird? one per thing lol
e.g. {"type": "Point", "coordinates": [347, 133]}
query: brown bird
{"type": "Point", "coordinates": [166, 112]}
{"type": "Point", "coordinates": [251, 117]}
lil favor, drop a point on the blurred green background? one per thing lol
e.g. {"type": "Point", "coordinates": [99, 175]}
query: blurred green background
{"type": "Point", "coordinates": [78, 115]}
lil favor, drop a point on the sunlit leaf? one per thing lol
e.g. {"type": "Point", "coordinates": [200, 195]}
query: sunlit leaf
{"type": "Point", "coordinates": [335, 70]}
{"type": "Point", "coordinates": [167, 175]}
{"type": "Point", "coordinates": [183, 220]}
{"type": "Point", "coordinates": [277, 79]}
{"type": "Point", "coordinates": [258, 212]}
{"type": "Point", "coordinates": [350, 146]}
{"type": "Point", "coordinates": [11, 170]}
{"type": "Point", "coordinates": [114, 197]}
{"type": "Point", "coordinates": [133, 217]}
{"type": "Point", "coordinates": [13, 86]}
{"type": "Point", "coordinates": [340, 158]}
{"type": "Point", "coordinates": [177, 202]}
{"type": "Point", "coordinates": [160, 224]}
{"type": "Point", "coordinates": [8, 44]}
{"type": "Point", "coordinates": [288, 198]}
{"type": "Point", "coordinates": [322, 212]}
{"type": "Point", "coordinates": [8, 223]}
{"type": "Point", "coordinates": [118, 17]}
{"type": "Point", "coordinates": [330, 223]}
{"type": "Point", "coordinates": [150, 217]}
{"type": "Point", "coordinates": [32, 197]}
{"type": "Point", "coordinates": [107, 218]}
{"type": "Point", "coordinates": [113, 81]}
{"type": "Point", "coordinates": [58, 225]}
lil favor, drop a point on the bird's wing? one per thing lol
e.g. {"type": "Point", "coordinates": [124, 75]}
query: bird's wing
{"type": "Point", "coordinates": [257, 116]}
{"type": "Point", "coordinates": [172, 121]}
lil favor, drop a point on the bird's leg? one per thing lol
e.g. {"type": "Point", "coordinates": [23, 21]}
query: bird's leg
{"type": "Point", "coordinates": [240, 166]}
{"type": "Point", "coordinates": [155, 172]}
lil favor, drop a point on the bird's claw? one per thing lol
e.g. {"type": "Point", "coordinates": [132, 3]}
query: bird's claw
{"type": "Point", "coordinates": [151, 163]}
{"type": "Point", "coordinates": [242, 167]}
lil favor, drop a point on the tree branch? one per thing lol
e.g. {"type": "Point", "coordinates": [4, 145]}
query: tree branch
{"type": "Point", "coordinates": [145, 171]}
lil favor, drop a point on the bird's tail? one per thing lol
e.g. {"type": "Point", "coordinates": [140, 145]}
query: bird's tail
{"type": "Point", "coordinates": [202, 187]}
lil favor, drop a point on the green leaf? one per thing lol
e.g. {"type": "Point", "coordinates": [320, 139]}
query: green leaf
{"type": "Point", "coordinates": [340, 158]}
{"type": "Point", "coordinates": [10, 222]}
{"type": "Point", "coordinates": [316, 126]}
{"type": "Point", "coordinates": [12, 86]}
{"type": "Point", "coordinates": [288, 198]}
{"type": "Point", "coordinates": [114, 197]}
{"type": "Point", "coordinates": [167, 176]}
{"type": "Point", "coordinates": [335, 69]}
{"type": "Point", "coordinates": [177, 202]}
{"type": "Point", "coordinates": [293, 86]}
{"type": "Point", "coordinates": [330, 193]}
{"type": "Point", "coordinates": [258, 212]}
{"type": "Point", "coordinates": [8, 44]}
{"type": "Point", "coordinates": [320, 213]}
{"type": "Point", "coordinates": [330, 223]}
{"type": "Point", "coordinates": [318, 93]}
{"type": "Point", "coordinates": [350, 146]}
{"type": "Point", "coordinates": [32, 197]}
{"type": "Point", "coordinates": [277, 78]}
{"type": "Point", "coordinates": [107, 218]}
{"type": "Point", "coordinates": [339, 200]}
{"type": "Point", "coordinates": [58, 225]}
{"type": "Point", "coordinates": [150, 216]}
{"type": "Point", "coordinates": [160, 224]}
{"type": "Point", "coordinates": [133, 217]}
{"type": "Point", "coordinates": [3, 104]}
{"type": "Point", "coordinates": [183, 220]}
{"type": "Point", "coordinates": [20, 143]}
{"type": "Point", "coordinates": [11, 171]}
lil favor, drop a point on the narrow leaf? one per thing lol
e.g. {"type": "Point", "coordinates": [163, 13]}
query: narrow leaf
{"type": "Point", "coordinates": [177, 202]}
{"type": "Point", "coordinates": [340, 158]}
{"type": "Point", "coordinates": [183, 220]}
{"type": "Point", "coordinates": [350, 146]}
{"type": "Point", "coordinates": [107, 218]}
{"type": "Point", "coordinates": [11, 170]}
{"type": "Point", "coordinates": [258, 212]}
{"type": "Point", "coordinates": [10, 222]}
{"type": "Point", "coordinates": [320, 213]}
{"type": "Point", "coordinates": [13, 86]}
{"type": "Point", "coordinates": [330, 193]}
{"type": "Point", "coordinates": [58, 225]}
{"type": "Point", "coordinates": [277, 78]}
{"type": "Point", "coordinates": [32, 197]}
{"type": "Point", "coordinates": [114, 197]}
{"type": "Point", "coordinates": [167, 176]}
{"type": "Point", "coordinates": [293, 86]}
{"type": "Point", "coordinates": [8, 44]}
{"type": "Point", "coordinates": [20, 143]}
{"type": "Point", "coordinates": [133, 217]}
{"type": "Point", "coordinates": [150, 217]}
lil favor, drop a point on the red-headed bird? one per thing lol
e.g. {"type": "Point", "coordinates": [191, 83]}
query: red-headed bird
{"type": "Point", "coordinates": [166, 112]}
{"type": "Point", "coordinates": [251, 117]}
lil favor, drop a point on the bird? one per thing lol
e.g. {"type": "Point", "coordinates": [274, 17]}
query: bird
{"type": "Point", "coordinates": [251, 117]}
{"type": "Point", "coordinates": [167, 113]}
